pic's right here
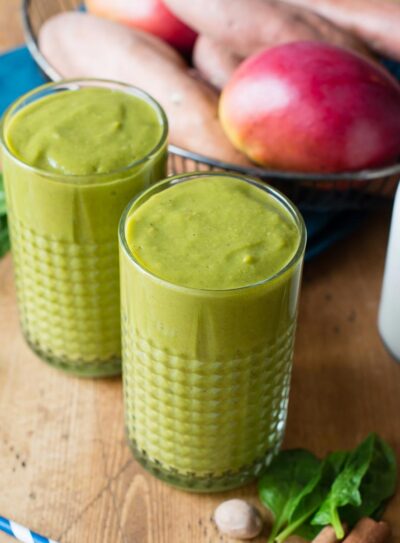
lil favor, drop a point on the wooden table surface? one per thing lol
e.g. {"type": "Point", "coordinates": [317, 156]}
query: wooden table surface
{"type": "Point", "coordinates": [65, 469]}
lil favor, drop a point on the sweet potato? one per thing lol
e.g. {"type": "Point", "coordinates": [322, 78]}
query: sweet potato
{"type": "Point", "coordinates": [246, 26]}
{"type": "Point", "coordinates": [214, 61]}
{"type": "Point", "coordinates": [375, 21]}
{"type": "Point", "coordinates": [148, 15]}
{"type": "Point", "coordinates": [82, 45]}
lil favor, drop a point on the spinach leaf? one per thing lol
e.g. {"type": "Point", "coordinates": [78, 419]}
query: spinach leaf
{"type": "Point", "coordinates": [378, 484]}
{"type": "Point", "coordinates": [337, 460]}
{"type": "Point", "coordinates": [312, 496]}
{"type": "Point", "coordinates": [283, 485]}
{"type": "Point", "coordinates": [305, 494]}
{"type": "Point", "coordinates": [2, 197]}
{"type": "Point", "coordinates": [368, 478]}
{"type": "Point", "coordinates": [307, 531]}
{"type": "Point", "coordinates": [4, 239]}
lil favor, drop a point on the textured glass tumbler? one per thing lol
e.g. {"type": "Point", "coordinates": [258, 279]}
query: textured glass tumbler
{"type": "Point", "coordinates": [207, 372]}
{"type": "Point", "coordinates": [64, 237]}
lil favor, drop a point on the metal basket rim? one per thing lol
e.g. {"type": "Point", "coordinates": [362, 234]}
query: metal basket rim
{"type": "Point", "coordinates": [288, 176]}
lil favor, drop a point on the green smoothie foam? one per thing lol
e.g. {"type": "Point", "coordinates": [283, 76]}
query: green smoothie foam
{"type": "Point", "coordinates": [72, 160]}
{"type": "Point", "coordinates": [210, 271]}
{"type": "Point", "coordinates": [88, 132]}
{"type": "Point", "coordinates": [217, 234]}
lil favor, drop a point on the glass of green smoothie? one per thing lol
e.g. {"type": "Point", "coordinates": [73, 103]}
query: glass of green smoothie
{"type": "Point", "coordinates": [210, 268]}
{"type": "Point", "coordinates": [74, 154]}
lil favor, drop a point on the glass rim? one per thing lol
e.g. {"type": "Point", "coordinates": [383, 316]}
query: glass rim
{"type": "Point", "coordinates": [65, 84]}
{"type": "Point", "coordinates": [181, 178]}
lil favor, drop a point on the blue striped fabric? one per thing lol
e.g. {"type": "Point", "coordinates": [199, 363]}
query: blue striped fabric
{"type": "Point", "coordinates": [5, 526]}
{"type": "Point", "coordinates": [20, 533]}
{"type": "Point", "coordinates": [39, 538]}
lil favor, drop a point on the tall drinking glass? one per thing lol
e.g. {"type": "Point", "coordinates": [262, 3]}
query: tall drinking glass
{"type": "Point", "coordinates": [206, 370]}
{"type": "Point", "coordinates": [74, 154]}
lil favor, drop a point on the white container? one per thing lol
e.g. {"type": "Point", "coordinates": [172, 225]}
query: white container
{"type": "Point", "coordinates": [389, 311]}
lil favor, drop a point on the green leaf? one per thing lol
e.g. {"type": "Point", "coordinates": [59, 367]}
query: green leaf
{"type": "Point", "coordinates": [313, 495]}
{"type": "Point", "coordinates": [367, 478]}
{"type": "Point", "coordinates": [283, 485]}
{"type": "Point", "coordinates": [2, 197]}
{"type": "Point", "coordinates": [378, 484]}
{"type": "Point", "coordinates": [378, 513]}
{"type": "Point", "coordinates": [307, 531]}
{"type": "Point", "coordinates": [4, 238]}
{"type": "Point", "coordinates": [305, 494]}
{"type": "Point", "coordinates": [337, 460]}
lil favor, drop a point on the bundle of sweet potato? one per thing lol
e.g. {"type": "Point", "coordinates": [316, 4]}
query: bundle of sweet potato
{"type": "Point", "coordinates": [89, 45]}
{"type": "Point", "coordinates": [233, 29]}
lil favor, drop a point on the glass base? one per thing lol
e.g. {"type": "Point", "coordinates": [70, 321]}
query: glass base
{"type": "Point", "coordinates": [205, 483]}
{"type": "Point", "coordinates": [80, 368]}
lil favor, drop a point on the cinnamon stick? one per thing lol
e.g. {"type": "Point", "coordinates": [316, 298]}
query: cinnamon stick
{"type": "Point", "coordinates": [368, 531]}
{"type": "Point", "coordinates": [326, 535]}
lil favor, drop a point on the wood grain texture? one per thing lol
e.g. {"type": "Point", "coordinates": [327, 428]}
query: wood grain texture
{"type": "Point", "coordinates": [65, 468]}
{"type": "Point", "coordinates": [10, 24]}
{"type": "Point", "coordinates": [67, 472]}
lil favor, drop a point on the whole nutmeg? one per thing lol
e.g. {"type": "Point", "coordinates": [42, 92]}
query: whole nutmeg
{"type": "Point", "coordinates": [238, 519]}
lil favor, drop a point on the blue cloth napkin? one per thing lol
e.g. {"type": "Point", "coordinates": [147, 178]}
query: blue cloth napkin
{"type": "Point", "coordinates": [19, 73]}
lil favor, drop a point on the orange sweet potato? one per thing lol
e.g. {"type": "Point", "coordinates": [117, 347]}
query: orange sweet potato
{"type": "Point", "coordinates": [246, 26]}
{"type": "Point", "coordinates": [375, 21]}
{"type": "Point", "coordinates": [82, 45]}
{"type": "Point", "coordinates": [214, 61]}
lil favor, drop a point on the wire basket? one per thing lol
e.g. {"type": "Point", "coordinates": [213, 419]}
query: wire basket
{"type": "Point", "coordinates": [316, 192]}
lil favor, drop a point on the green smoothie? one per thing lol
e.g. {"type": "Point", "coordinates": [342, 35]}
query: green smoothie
{"type": "Point", "coordinates": [210, 273]}
{"type": "Point", "coordinates": [95, 130]}
{"type": "Point", "coordinates": [74, 154]}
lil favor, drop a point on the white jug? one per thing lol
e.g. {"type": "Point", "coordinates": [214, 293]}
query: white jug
{"type": "Point", "coordinates": [389, 311]}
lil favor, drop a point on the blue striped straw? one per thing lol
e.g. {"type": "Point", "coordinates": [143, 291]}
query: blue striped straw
{"type": "Point", "coordinates": [20, 533]}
